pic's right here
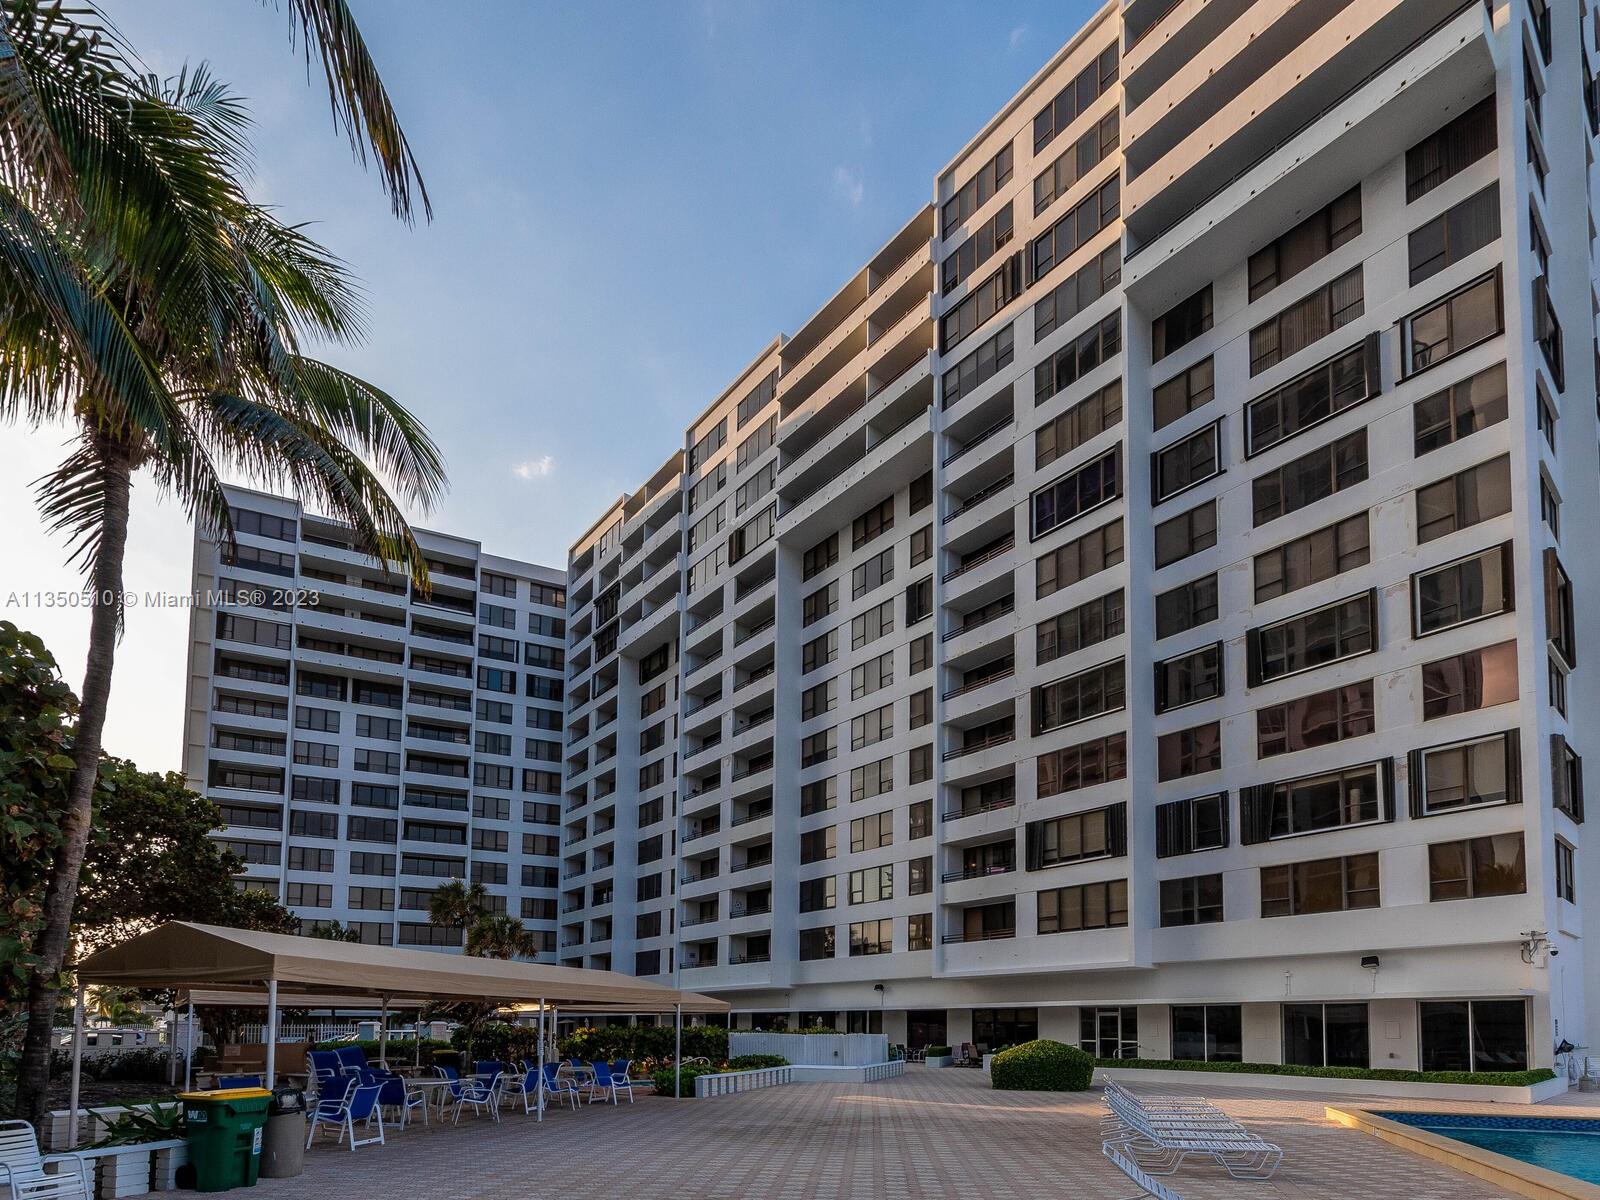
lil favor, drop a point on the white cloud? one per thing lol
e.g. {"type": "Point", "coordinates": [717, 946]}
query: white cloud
{"type": "Point", "coordinates": [534, 468]}
{"type": "Point", "coordinates": [850, 185]}
{"type": "Point", "coordinates": [1018, 36]}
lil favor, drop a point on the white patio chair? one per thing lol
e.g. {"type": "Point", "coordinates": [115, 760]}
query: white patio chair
{"type": "Point", "coordinates": [1150, 1186]}
{"type": "Point", "coordinates": [1160, 1147]}
{"type": "Point", "coordinates": [22, 1168]}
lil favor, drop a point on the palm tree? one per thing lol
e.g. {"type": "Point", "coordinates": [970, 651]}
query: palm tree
{"type": "Point", "coordinates": [458, 905]}
{"type": "Point", "coordinates": [149, 305]}
{"type": "Point", "coordinates": [499, 935]}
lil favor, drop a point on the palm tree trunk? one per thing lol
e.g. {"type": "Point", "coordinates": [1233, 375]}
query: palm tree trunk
{"type": "Point", "coordinates": [105, 623]}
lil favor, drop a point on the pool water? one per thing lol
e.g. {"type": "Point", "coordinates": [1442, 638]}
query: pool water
{"type": "Point", "coordinates": [1568, 1145]}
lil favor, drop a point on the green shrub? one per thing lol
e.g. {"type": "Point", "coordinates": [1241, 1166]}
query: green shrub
{"type": "Point", "coordinates": [755, 1062]}
{"type": "Point", "coordinates": [153, 1122]}
{"type": "Point", "coordinates": [1385, 1074]}
{"type": "Point", "coordinates": [666, 1080]}
{"type": "Point", "coordinates": [938, 1051]}
{"type": "Point", "coordinates": [645, 1043]}
{"type": "Point", "coordinates": [1042, 1066]}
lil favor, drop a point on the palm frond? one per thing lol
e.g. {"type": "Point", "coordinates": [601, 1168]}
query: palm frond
{"type": "Point", "coordinates": [359, 100]}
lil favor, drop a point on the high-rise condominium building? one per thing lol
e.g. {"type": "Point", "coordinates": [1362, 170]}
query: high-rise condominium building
{"type": "Point", "coordinates": [1142, 606]}
{"type": "Point", "coordinates": [366, 741]}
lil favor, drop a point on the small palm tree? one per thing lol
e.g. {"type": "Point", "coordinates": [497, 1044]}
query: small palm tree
{"type": "Point", "coordinates": [151, 307]}
{"type": "Point", "coordinates": [501, 936]}
{"type": "Point", "coordinates": [458, 905]}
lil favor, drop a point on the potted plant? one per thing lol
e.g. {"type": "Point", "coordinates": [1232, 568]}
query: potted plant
{"type": "Point", "coordinates": [940, 1056]}
{"type": "Point", "coordinates": [147, 1148]}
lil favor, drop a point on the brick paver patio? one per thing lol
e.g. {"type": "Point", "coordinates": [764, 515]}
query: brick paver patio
{"type": "Point", "coordinates": [933, 1133]}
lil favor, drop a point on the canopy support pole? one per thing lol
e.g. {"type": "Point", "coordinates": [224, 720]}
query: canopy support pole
{"type": "Point", "coordinates": [677, 1051]}
{"type": "Point", "coordinates": [188, 1050]}
{"type": "Point", "coordinates": [77, 1069]}
{"type": "Point", "coordinates": [272, 1032]}
{"type": "Point", "coordinates": [383, 1033]}
{"type": "Point", "coordinates": [172, 1047]}
{"type": "Point", "coordinates": [540, 1117]}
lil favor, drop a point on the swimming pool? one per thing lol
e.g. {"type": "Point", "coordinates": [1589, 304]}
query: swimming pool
{"type": "Point", "coordinates": [1568, 1145]}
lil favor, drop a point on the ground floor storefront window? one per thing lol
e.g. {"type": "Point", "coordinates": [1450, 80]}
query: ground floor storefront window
{"type": "Point", "coordinates": [927, 1027]}
{"type": "Point", "coordinates": [1325, 1035]}
{"type": "Point", "coordinates": [1473, 1035]}
{"type": "Point", "coordinates": [1208, 1032]}
{"type": "Point", "coordinates": [1109, 1032]}
{"type": "Point", "coordinates": [995, 1027]}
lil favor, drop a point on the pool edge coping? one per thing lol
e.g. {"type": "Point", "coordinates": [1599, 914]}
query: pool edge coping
{"type": "Point", "coordinates": [1515, 1176]}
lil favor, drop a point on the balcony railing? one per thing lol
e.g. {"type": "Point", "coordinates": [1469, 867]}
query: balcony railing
{"type": "Point", "coordinates": [968, 624]}
{"type": "Point", "coordinates": [983, 806]}
{"type": "Point", "coordinates": [988, 935]}
{"type": "Point", "coordinates": [979, 872]}
{"type": "Point", "coordinates": [979, 496]}
{"type": "Point", "coordinates": [1004, 546]}
{"type": "Point", "coordinates": [986, 743]}
{"type": "Point", "coordinates": [1004, 668]}
{"type": "Point", "coordinates": [982, 437]}
{"type": "Point", "coordinates": [741, 959]}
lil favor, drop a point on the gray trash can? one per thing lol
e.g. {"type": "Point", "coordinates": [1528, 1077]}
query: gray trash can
{"type": "Point", "coordinates": [283, 1141]}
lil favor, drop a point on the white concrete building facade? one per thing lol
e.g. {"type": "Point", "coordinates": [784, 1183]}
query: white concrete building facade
{"type": "Point", "coordinates": [1142, 607]}
{"type": "Point", "coordinates": [365, 741]}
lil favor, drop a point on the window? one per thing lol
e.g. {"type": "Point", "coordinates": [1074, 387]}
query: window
{"type": "Point", "coordinates": [921, 817]}
{"type": "Point", "coordinates": [978, 249]}
{"type": "Point", "coordinates": [818, 845]}
{"type": "Point", "coordinates": [1185, 534]}
{"type": "Point", "coordinates": [1566, 873]}
{"type": "Point", "coordinates": [1180, 324]}
{"type": "Point", "coordinates": [1078, 697]}
{"type": "Point", "coordinates": [1074, 162]}
{"type": "Point", "coordinates": [316, 754]}
{"type": "Point", "coordinates": [820, 557]}
{"type": "Point", "coordinates": [1315, 803]}
{"type": "Point", "coordinates": [816, 943]}
{"type": "Point", "coordinates": [871, 937]}
{"type": "Point", "coordinates": [919, 931]}
{"type": "Point", "coordinates": [1312, 558]}
{"type": "Point", "coordinates": [1189, 678]}
{"type": "Point", "coordinates": [1311, 477]}
{"type": "Point", "coordinates": [1473, 1035]}
{"type": "Point", "coordinates": [1318, 236]}
{"type": "Point", "coordinates": [1547, 332]}
{"type": "Point", "coordinates": [1323, 885]}
{"type": "Point", "coordinates": [1099, 209]}
{"type": "Point", "coordinates": [977, 191]}
{"type": "Point", "coordinates": [1102, 905]}
{"type": "Point", "coordinates": [1183, 393]}
{"type": "Point", "coordinates": [1073, 561]}
{"type": "Point", "coordinates": [252, 631]}
{"type": "Point", "coordinates": [1312, 397]}
{"type": "Point", "coordinates": [1195, 900]}
{"type": "Point", "coordinates": [1079, 424]}
{"type": "Point", "coordinates": [1468, 589]}
{"type": "Point", "coordinates": [1560, 621]}
{"type": "Point", "coordinates": [758, 443]}
{"type": "Point", "coordinates": [820, 603]}
{"type": "Point", "coordinates": [757, 399]}
{"type": "Point", "coordinates": [818, 894]}
{"type": "Point", "coordinates": [1186, 752]}
{"type": "Point", "coordinates": [1096, 278]}
{"type": "Point", "coordinates": [1187, 606]}
{"type": "Point", "coordinates": [1477, 867]}
{"type": "Point", "coordinates": [1208, 1032]}
{"type": "Point", "coordinates": [1184, 464]}
{"type": "Point", "coordinates": [1326, 1035]}
{"type": "Point", "coordinates": [315, 824]}
{"type": "Point", "coordinates": [1087, 764]}
{"type": "Point", "coordinates": [1189, 826]}
{"type": "Point", "coordinates": [1450, 150]}
{"type": "Point", "coordinates": [871, 884]}
{"type": "Point", "coordinates": [920, 874]}
{"type": "Point", "coordinates": [818, 796]}
{"type": "Point", "coordinates": [817, 748]}
{"type": "Point", "coordinates": [921, 545]}
{"type": "Point", "coordinates": [1075, 98]}
{"type": "Point", "coordinates": [1460, 410]}
{"type": "Point", "coordinates": [1566, 778]}
{"type": "Point", "coordinates": [919, 601]}
{"type": "Point", "coordinates": [919, 495]}
{"type": "Point", "coordinates": [921, 653]}
{"type": "Point", "coordinates": [1077, 358]}
{"type": "Point", "coordinates": [1460, 320]}
{"type": "Point", "coordinates": [1098, 833]}
{"type": "Point", "coordinates": [872, 624]}
{"type": "Point", "coordinates": [1109, 1032]}
{"type": "Point", "coordinates": [819, 651]}
{"type": "Point", "coordinates": [1086, 625]}
{"type": "Point", "coordinates": [870, 676]}
{"type": "Point", "coordinates": [1477, 494]}
{"type": "Point", "coordinates": [919, 709]}
{"type": "Point", "coordinates": [875, 572]}
{"type": "Point", "coordinates": [1314, 639]}
{"type": "Point", "coordinates": [708, 444]}
{"type": "Point", "coordinates": [815, 701]}
{"type": "Point", "coordinates": [871, 779]}
{"type": "Point", "coordinates": [1455, 233]}
{"type": "Point", "coordinates": [877, 520]}
{"type": "Point", "coordinates": [248, 520]}
{"type": "Point", "coordinates": [977, 368]}
{"type": "Point", "coordinates": [1097, 482]}
{"type": "Point", "coordinates": [308, 895]}
{"type": "Point", "coordinates": [872, 727]}
{"type": "Point", "coordinates": [983, 302]}
{"type": "Point", "coordinates": [1320, 719]}
{"type": "Point", "coordinates": [1306, 321]}
{"type": "Point", "coordinates": [1470, 774]}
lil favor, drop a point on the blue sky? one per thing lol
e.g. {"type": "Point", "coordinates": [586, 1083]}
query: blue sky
{"type": "Point", "coordinates": [631, 200]}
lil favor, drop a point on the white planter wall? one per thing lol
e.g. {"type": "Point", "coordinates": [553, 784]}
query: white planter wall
{"type": "Point", "coordinates": [813, 1049]}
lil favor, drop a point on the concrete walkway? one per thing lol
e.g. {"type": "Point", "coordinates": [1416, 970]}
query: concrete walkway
{"type": "Point", "coordinates": [932, 1133]}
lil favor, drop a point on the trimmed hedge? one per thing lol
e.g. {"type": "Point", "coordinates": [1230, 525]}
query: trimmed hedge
{"type": "Point", "coordinates": [1481, 1078]}
{"type": "Point", "coordinates": [756, 1062]}
{"type": "Point", "coordinates": [666, 1080]}
{"type": "Point", "coordinates": [1042, 1066]}
{"type": "Point", "coordinates": [938, 1052]}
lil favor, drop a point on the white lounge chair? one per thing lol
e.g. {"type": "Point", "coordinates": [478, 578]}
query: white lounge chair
{"type": "Point", "coordinates": [1159, 1144]}
{"type": "Point", "coordinates": [1150, 1186]}
{"type": "Point", "coordinates": [22, 1168]}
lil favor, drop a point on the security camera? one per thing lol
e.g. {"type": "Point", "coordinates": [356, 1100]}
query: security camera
{"type": "Point", "coordinates": [1554, 952]}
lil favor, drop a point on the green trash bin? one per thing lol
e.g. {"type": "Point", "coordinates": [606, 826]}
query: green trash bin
{"type": "Point", "coordinates": [225, 1136]}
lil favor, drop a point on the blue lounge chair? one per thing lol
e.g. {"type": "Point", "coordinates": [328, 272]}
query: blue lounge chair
{"type": "Point", "coordinates": [522, 1088]}
{"type": "Point", "coordinates": [356, 1101]}
{"type": "Point", "coordinates": [470, 1091]}
{"type": "Point", "coordinates": [606, 1084]}
{"type": "Point", "coordinates": [239, 1081]}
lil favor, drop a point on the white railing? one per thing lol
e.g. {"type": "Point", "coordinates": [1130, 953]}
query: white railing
{"type": "Point", "coordinates": [886, 1070]}
{"type": "Point", "coordinates": [727, 1083]}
